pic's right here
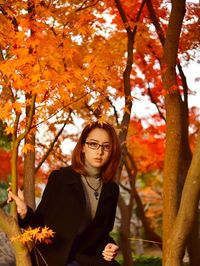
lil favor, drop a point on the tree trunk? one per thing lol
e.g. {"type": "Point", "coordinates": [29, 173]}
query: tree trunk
{"type": "Point", "coordinates": [187, 212]}
{"type": "Point", "coordinates": [11, 228]}
{"type": "Point", "coordinates": [173, 122]}
{"type": "Point", "coordinates": [29, 166]}
{"type": "Point", "coordinates": [194, 242]}
{"type": "Point", "coordinates": [124, 233]}
{"type": "Point", "coordinates": [186, 154]}
{"type": "Point", "coordinates": [171, 167]}
{"type": "Point", "coordinates": [125, 221]}
{"type": "Point", "coordinates": [29, 176]}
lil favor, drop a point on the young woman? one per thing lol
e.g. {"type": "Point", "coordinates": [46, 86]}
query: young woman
{"type": "Point", "coordinates": [79, 204]}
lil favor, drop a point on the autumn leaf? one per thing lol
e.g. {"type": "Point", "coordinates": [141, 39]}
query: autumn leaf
{"type": "Point", "coordinates": [17, 106]}
{"type": "Point", "coordinates": [27, 147]}
{"type": "Point", "coordinates": [126, 109]}
{"type": "Point", "coordinates": [38, 234]}
{"type": "Point", "coordinates": [9, 130]}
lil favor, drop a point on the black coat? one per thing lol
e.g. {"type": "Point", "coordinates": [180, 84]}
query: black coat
{"type": "Point", "coordinates": [63, 208]}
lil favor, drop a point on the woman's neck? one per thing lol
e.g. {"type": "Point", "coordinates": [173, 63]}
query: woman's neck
{"type": "Point", "coordinates": [92, 171]}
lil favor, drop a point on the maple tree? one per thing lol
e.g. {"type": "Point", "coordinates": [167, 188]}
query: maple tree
{"type": "Point", "coordinates": [170, 79]}
{"type": "Point", "coordinates": [60, 60]}
{"type": "Point", "coordinates": [41, 67]}
{"type": "Point", "coordinates": [176, 135]}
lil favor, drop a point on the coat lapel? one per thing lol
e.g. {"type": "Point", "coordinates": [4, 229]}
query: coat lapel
{"type": "Point", "coordinates": [70, 177]}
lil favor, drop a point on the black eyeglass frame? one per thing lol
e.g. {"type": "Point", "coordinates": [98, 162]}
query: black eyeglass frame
{"type": "Point", "coordinates": [98, 146]}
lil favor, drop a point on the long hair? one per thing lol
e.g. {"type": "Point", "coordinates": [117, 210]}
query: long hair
{"type": "Point", "coordinates": [109, 170]}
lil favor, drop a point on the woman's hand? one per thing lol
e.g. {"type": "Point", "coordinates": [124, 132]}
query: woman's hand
{"type": "Point", "coordinates": [19, 200]}
{"type": "Point", "coordinates": [110, 251]}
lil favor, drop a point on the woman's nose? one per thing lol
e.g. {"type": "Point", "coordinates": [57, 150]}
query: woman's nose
{"type": "Point", "coordinates": [101, 150]}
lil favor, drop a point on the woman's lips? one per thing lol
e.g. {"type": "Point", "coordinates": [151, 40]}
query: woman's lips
{"type": "Point", "coordinates": [98, 159]}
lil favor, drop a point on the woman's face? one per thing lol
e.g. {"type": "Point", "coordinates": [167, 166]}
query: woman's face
{"type": "Point", "coordinates": [97, 148]}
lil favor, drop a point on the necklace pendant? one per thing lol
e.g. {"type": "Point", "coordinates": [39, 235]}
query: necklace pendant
{"type": "Point", "coordinates": [96, 194]}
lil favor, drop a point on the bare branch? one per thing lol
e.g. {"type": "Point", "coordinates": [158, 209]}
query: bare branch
{"type": "Point", "coordinates": [52, 144]}
{"type": "Point", "coordinates": [84, 6]}
{"type": "Point", "coordinates": [65, 106]}
{"type": "Point", "coordinates": [154, 102]}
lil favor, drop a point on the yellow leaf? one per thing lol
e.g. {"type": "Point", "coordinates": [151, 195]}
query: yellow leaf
{"type": "Point", "coordinates": [17, 106]}
{"type": "Point", "coordinates": [41, 234]}
{"type": "Point", "coordinates": [28, 147]}
{"type": "Point", "coordinates": [9, 130]}
{"type": "Point", "coordinates": [126, 110]}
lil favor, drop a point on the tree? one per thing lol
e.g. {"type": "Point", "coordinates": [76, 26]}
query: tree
{"type": "Point", "coordinates": [39, 77]}
{"type": "Point", "coordinates": [59, 60]}
{"type": "Point", "coordinates": [36, 84]}
{"type": "Point", "coordinates": [177, 121]}
{"type": "Point", "coordinates": [173, 150]}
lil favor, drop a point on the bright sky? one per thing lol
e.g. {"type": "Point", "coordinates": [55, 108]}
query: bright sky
{"type": "Point", "coordinates": [193, 78]}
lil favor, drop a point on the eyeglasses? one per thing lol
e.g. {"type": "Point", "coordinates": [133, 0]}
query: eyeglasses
{"type": "Point", "coordinates": [95, 146]}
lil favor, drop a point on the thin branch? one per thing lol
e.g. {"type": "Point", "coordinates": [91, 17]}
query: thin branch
{"type": "Point", "coordinates": [125, 188]}
{"type": "Point", "coordinates": [30, 119]}
{"type": "Point", "coordinates": [52, 144]}
{"type": "Point", "coordinates": [65, 106]}
{"type": "Point", "coordinates": [95, 112]}
{"type": "Point", "coordinates": [155, 22]}
{"type": "Point", "coordinates": [185, 85]}
{"type": "Point", "coordinates": [154, 102]}
{"type": "Point", "coordinates": [145, 240]}
{"type": "Point", "coordinates": [114, 109]}
{"type": "Point", "coordinates": [123, 16]}
{"type": "Point", "coordinates": [82, 7]}
{"type": "Point", "coordinates": [15, 126]}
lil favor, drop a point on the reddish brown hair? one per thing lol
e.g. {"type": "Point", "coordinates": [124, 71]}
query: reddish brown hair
{"type": "Point", "coordinates": [109, 170]}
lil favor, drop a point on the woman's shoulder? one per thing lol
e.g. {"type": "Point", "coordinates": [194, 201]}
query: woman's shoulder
{"type": "Point", "coordinates": [112, 185]}
{"type": "Point", "coordinates": [65, 169]}
{"type": "Point", "coordinates": [66, 174]}
{"type": "Point", "coordinates": [68, 170]}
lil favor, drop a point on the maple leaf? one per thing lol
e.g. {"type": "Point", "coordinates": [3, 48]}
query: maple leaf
{"type": "Point", "coordinates": [9, 130]}
{"type": "Point", "coordinates": [17, 106]}
{"type": "Point", "coordinates": [41, 234]}
{"type": "Point", "coordinates": [28, 147]}
{"type": "Point", "coordinates": [103, 118]}
{"type": "Point", "coordinates": [126, 109]}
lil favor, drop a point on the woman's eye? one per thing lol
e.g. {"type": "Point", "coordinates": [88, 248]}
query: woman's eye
{"type": "Point", "coordinates": [94, 144]}
{"type": "Point", "coordinates": [106, 147]}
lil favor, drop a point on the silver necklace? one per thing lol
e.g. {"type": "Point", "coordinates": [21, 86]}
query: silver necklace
{"type": "Point", "coordinates": [96, 192]}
